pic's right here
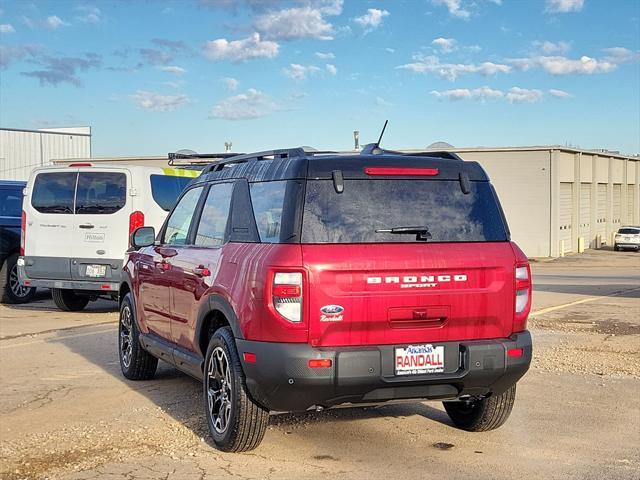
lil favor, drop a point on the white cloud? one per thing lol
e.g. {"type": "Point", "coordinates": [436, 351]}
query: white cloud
{"type": "Point", "coordinates": [54, 22]}
{"type": "Point", "coordinates": [451, 71]}
{"type": "Point", "coordinates": [390, 50]}
{"type": "Point", "coordinates": [7, 28]}
{"type": "Point", "coordinates": [482, 93]}
{"type": "Point", "coordinates": [295, 23]}
{"type": "Point", "coordinates": [299, 72]}
{"type": "Point", "coordinates": [559, 65]}
{"type": "Point", "coordinates": [89, 14]}
{"type": "Point", "coordinates": [245, 106]}
{"type": "Point", "coordinates": [563, 6]}
{"type": "Point", "coordinates": [372, 19]}
{"type": "Point", "coordinates": [173, 69]}
{"type": "Point", "coordinates": [240, 50]}
{"type": "Point", "coordinates": [621, 55]}
{"type": "Point", "coordinates": [454, 7]}
{"type": "Point", "coordinates": [154, 102]}
{"type": "Point", "coordinates": [524, 95]}
{"type": "Point", "coordinates": [550, 48]}
{"type": "Point", "coordinates": [381, 102]}
{"type": "Point", "coordinates": [559, 93]}
{"type": "Point", "coordinates": [331, 69]}
{"type": "Point", "coordinates": [446, 45]}
{"type": "Point", "coordinates": [325, 56]}
{"type": "Point", "coordinates": [231, 83]}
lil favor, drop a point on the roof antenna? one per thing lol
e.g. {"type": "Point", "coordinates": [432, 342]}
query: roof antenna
{"type": "Point", "coordinates": [382, 133]}
{"type": "Point", "coordinates": [374, 148]}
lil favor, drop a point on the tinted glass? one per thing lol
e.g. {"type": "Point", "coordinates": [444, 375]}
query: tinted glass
{"type": "Point", "coordinates": [10, 202]}
{"type": "Point", "coordinates": [101, 193]}
{"type": "Point", "coordinates": [629, 231]}
{"type": "Point", "coordinates": [54, 192]}
{"type": "Point", "coordinates": [178, 223]}
{"type": "Point", "coordinates": [369, 205]}
{"type": "Point", "coordinates": [213, 222]}
{"type": "Point", "coordinates": [166, 189]}
{"type": "Point", "coordinates": [268, 199]}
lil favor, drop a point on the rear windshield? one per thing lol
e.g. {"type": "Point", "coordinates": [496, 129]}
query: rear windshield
{"type": "Point", "coordinates": [10, 202]}
{"type": "Point", "coordinates": [101, 192]}
{"type": "Point", "coordinates": [166, 189]}
{"type": "Point", "coordinates": [53, 192]}
{"type": "Point", "coordinates": [629, 231]}
{"type": "Point", "coordinates": [365, 206]}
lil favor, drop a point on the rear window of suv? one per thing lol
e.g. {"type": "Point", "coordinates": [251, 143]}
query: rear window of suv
{"type": "Point", "coordinates": [629, 231]}
{"type": "Point", "coordinates": [166, 189]}
{"type": "Point", "coordinates": [369, 205]}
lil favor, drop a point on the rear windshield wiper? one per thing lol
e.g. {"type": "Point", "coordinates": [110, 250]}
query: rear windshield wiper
{"type": "Point", "coordinates": [421, 232]}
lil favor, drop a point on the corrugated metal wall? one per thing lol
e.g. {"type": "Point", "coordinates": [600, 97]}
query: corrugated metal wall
{"type": "Point", "coordinates": [23, 150]}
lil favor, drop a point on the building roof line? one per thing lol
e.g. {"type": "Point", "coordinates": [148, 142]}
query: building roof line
{"type": "Point", "coordinates": [51, 132]}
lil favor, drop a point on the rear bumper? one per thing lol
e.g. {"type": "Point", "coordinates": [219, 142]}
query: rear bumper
{"type": "Point", "coordinates": [635, 246]}
{"type": "Point", "coordinates": [52, 272]}
{"type": "Point", "coordinates": [281, 380]}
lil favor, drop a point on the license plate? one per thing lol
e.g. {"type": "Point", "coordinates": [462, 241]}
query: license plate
{"type": "Point", "coordinates": [96, 270]}
{"type": "Point", "coordinates": [626, 239]}
{"type": "Point", "coordinates": [419, 359]}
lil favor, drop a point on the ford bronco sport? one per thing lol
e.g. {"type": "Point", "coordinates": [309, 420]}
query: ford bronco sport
{"type": "Point", "coordinates": [289, 280]}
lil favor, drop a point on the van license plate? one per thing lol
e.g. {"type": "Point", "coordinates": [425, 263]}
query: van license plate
{"type": "Point", "coordinates": [96, 270]}
{"type": "Point", "coordinates": [419, 359]}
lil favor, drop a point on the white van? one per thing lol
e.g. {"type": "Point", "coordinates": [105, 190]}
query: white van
{"type": "Point", "coordinates": [77, 220]}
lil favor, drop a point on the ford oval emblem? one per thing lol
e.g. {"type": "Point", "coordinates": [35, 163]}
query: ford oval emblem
{"type": "Point", "coordinates": [332, 309]}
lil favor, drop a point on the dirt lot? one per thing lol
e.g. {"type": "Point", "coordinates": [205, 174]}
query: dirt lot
{"type": "Point", "coordinates": [67, 413]}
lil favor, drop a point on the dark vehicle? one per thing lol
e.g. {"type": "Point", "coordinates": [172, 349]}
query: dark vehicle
{"type": "Point", "coordinates": [11, 291]}
{"type": "Point", "coordinates": [291, 280]}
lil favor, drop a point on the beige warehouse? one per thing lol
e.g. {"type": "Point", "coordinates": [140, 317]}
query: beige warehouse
{"type": "Point", "coordinates": [555, 198]}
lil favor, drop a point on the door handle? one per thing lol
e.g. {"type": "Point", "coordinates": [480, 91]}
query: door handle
{"type": "Point", "coordinates": [86, 225]}
{"type": "Point", "coordinates": [202, 271]}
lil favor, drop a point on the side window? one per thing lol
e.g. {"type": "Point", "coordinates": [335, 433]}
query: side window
{"type": "Point", "coordinates": [10, 202]}
{"type": "Point", "coordinates": [101, 193]}
{"type": "Point", "coordinates": [215, 213]}
{"type": "Point", "coordinates": [268, 199]}
{"type": "Point", "coordinates": [166, 189]}
{"type": "Point", "coordinates": [178, 223]}
{"type": "Point", "coordinates": [53, 192]}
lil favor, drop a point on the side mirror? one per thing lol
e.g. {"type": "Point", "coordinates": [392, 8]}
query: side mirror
{"type": "Point", "coordinates": [143, 237]}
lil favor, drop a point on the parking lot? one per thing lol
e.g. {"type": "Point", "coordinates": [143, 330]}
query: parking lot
{"type": "Point", "coordinates": [66, 412]}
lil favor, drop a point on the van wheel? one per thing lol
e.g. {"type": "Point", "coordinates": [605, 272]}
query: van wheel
{"type": "Point", "coordinates": [135, 362]}
{"type": "Point", "coordinates": [615, 247]}
{"type": "Point", "coordinates": [236, 422]}
{"type": "Point", "coordinates": [482, 415]}
{"type": "Point", "coordinates": [11, 291]}
{"type": "Point", "coordinates": [68, 300]}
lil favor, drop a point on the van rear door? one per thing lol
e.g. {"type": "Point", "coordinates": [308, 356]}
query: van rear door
{"type": "Point", "coordinates": [101, 222]}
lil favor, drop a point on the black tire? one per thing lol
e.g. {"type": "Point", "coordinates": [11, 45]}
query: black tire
{"type": "Point", "coordinates": [246, 422]}
{"type": "Point", "coordinates": [616, 248]}
{"type": "Point", "coordinates": [135, 362]}
{"type": "Point", "coordinates": [482, 415]}
{"type": "Point", "coordinates": [10, 289]}
{"type": "Point", "coordinates": [68, 300]}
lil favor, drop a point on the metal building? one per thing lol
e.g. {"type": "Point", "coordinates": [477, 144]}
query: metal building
{"type": "Point", "coordinates": [560, 199]}
{"type": "Point", "coordinates": [23, 150]}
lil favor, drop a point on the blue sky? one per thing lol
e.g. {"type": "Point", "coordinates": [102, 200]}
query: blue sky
{"type": "Point", "coordinates": [151, 77]}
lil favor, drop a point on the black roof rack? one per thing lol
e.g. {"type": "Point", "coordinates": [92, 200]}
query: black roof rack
{"type": "Point", "coordinates": [187, 155]}
{"type": "Point", "coordinates": [374, 149]}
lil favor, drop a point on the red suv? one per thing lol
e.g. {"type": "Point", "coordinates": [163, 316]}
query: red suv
{"type": "Point", "coordinates": [291, 280]}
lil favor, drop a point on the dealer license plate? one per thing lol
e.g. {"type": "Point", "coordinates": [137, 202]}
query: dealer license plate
{"type": "Point", "coordinates": [419, 359]}
{"type": "Point", "coordinates": [96, 270]}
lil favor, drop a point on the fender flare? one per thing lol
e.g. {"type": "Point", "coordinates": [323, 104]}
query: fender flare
{"type": "Point", "coordinates": [219, 303]}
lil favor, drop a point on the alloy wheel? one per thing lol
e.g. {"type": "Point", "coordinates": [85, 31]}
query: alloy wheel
{"type": "Point", "coordinates": [219, 390]}
{"type": "Point", "coordinates": [126, 335]}
{"type": "Point", "coordinates": [16, 287]}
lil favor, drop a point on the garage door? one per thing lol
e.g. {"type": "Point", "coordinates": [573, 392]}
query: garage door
{"type": "Point", "coordinates": [630, 204]}
{"type": "Point", "coordinates": [585, 213]}
{"type": "Point", "coordinates": [601, 209]}
{"type": "Point", "coordinates": [566, 209]}
{"type": "Point", "coordinates": [616, 211]}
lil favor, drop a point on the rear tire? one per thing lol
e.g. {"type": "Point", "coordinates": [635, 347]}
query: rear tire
{"type": "Point", "coordinates": [482, 415]}
{"type": "Point", "coordinates": [616, 248]}
{"type": "Point", "coordinates": [68, 300]}
{"type": "Point", "coordinates": [10, 289]}
{"type": "Point", "coordinates": [135, 362]}
{"type": "Point", "coordinates": [236, 422]}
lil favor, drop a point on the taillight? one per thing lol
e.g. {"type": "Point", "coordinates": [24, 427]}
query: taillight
{"type": "Point", "coordinates": [523, 296]}
{"type": "Point", "coordinates": [287, 295]}
{"type": "Point", "coordinates": [23, 232]}
{"type": "Point", "coordinates": [136, 220]}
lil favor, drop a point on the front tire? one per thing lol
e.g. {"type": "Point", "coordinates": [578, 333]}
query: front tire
{"type": "Point", "coordinates": [11, 291]}
{"type": "Point", "coordinates": [135, 362]}
{"type": "Point", "coordinates": [236, 422]}
{"type": "Point", "coordinates": [484, 414]}
{"type": "Point", "coordinates": [616, 247]}
{"type": "Point", "coordinates": [68, 300]}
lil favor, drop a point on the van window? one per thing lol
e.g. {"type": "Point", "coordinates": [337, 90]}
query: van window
{"type": "Point", "coordinates": [101, 193]}
{"type": "Point", "coordinates": [53, 192]}
{"type": "Point", "coordinates": [215, 213]}
{"type": "Point", "coordinates": [177, 229]}
{"type": "Point", "coordinates": [368, 206]}
{"type": "Point", "coordinates": [10, 202]}
{"type": "Point", "coordinates": [166, 189]}
{"type": "Point", "coordinates": [268, 199]}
